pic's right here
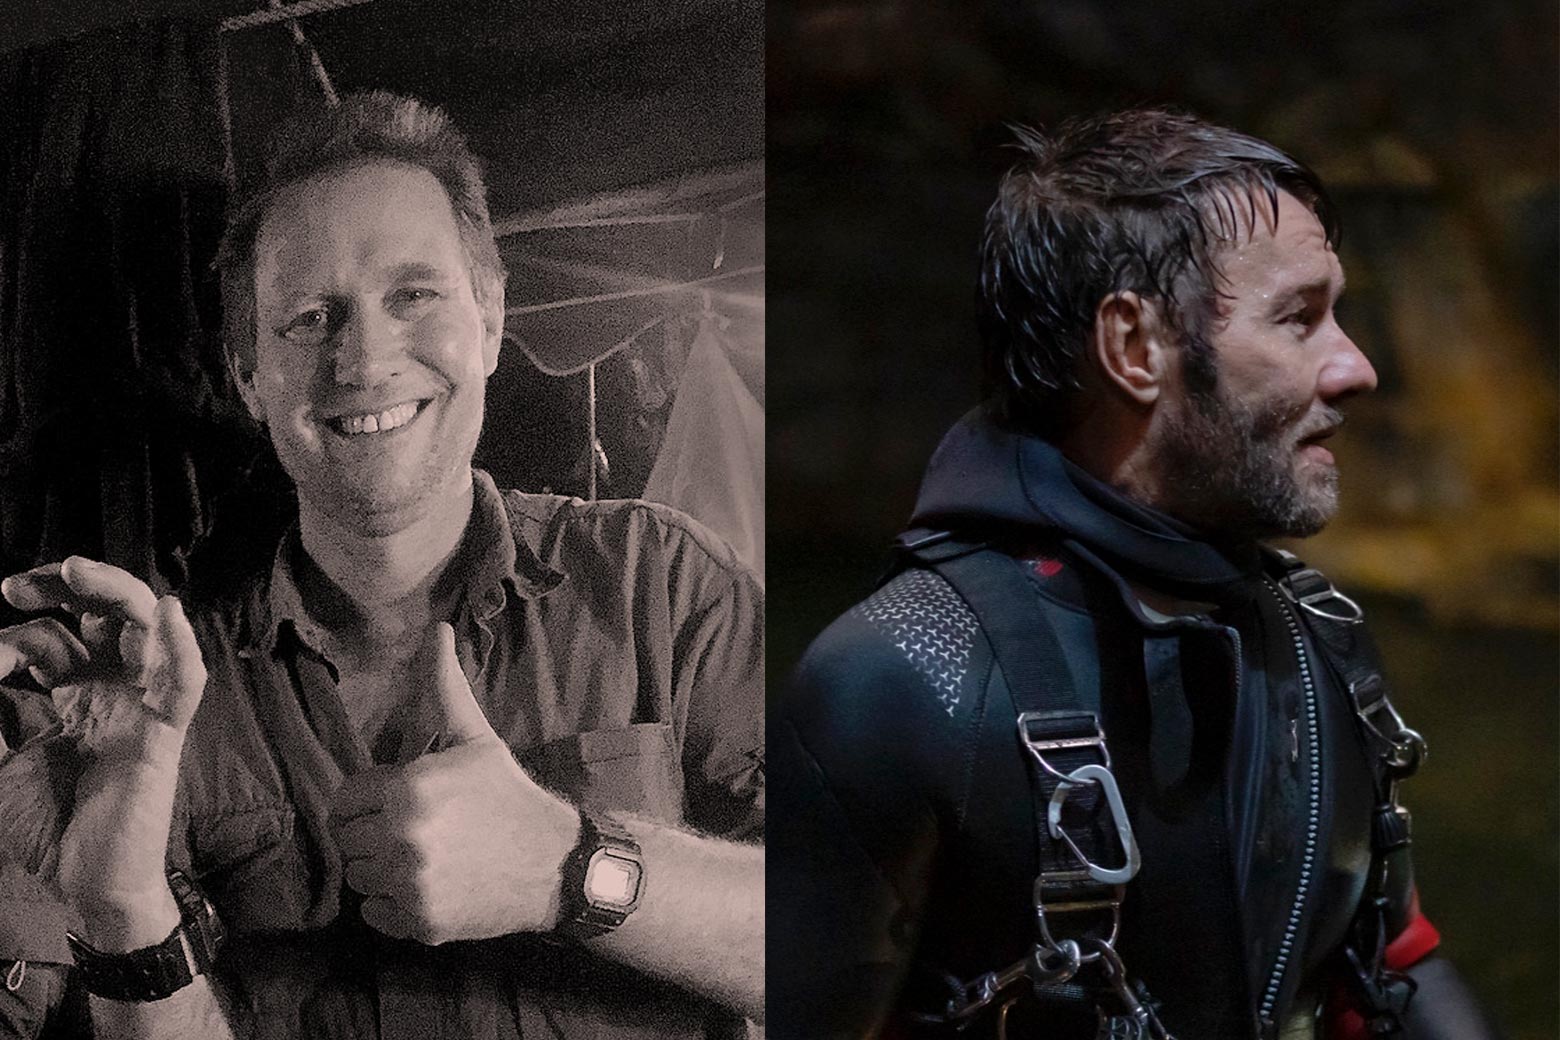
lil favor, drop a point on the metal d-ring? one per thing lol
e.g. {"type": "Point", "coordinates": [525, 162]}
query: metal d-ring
{"type": "Point", "coordinates": [1310, 600]}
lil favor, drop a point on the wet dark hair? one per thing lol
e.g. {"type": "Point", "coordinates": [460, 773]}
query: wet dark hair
{"type": "Point", "coordinates": [1138, 201]}
{"type": "Point", "coordinates": [376, 125]}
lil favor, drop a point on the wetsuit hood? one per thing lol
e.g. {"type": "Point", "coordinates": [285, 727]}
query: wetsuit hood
{"type": "Point", "coordinates": [984, 478]}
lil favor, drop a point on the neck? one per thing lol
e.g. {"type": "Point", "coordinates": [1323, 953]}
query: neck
{"type": "Point", "coordinates": [1115, 447]}
{"type": "Point", "coordinates": [394, 574]}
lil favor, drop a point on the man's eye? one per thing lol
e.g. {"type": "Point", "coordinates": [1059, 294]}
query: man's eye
{"type": "Point", "coordinates": [415, 296]}
{"type": "Point", "coordinates": [310, 325]}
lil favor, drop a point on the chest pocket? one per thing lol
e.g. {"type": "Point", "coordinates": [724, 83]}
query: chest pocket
{"type": "Point", "coordinates": [632, 769]}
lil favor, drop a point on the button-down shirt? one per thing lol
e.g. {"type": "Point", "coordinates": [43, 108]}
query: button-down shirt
{"type": "Point", "coordinates": [616, 646]}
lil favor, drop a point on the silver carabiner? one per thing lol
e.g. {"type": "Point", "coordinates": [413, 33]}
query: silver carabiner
{"type": "Point", "coordinates": [1408, 747]}
{"type": "Point", "coordinates": [1089, 774]}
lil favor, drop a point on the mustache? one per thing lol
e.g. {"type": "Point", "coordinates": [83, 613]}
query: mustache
{"type": "Point", "coordinates": [1297, 425]}
{"type": "Point", "coordinates": [1325, 420]}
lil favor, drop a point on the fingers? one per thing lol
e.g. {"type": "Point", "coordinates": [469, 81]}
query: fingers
{"type": "Point", "coordinates": [82, 586]}
{"type": "Point", "coordinates": [362, 793]}
{"type": "Point", "coordinates": [41, 588]}
{"type": "Point", "coordinates": [119, 617]}
{"type": "Point", "coordinates": [385, 873]}
{"type": "Point", "coordinates": [100, 630]}
{"type": "Point", "coordinates": [387, 918]}
{"type": "Point", "coordinates": [45, 647]}
{"type": "Point", "coordinates": [102, 588]}
{"type": "Point", "coordinates": [359, 837]}
{"type": "Point", "coordinates": [370, 877]}
{"type": "Point", "coordinates": [374, 865]}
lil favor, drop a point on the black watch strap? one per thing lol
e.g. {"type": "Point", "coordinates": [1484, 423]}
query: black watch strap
{"type": "Point", "coordinates": [162, 969]}
{"type": "Point", "coordinates": [603, 878]}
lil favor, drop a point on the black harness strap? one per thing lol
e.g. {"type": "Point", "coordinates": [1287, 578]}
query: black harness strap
{"type": "Point", "coordinates": [1006, 603]}
{"type": "Point", "coordinates": [1055, 715]}
{"type": "Point", "coordinates": [1058, 728]}
{"type": "Point", "coordinates": [1346, 647]}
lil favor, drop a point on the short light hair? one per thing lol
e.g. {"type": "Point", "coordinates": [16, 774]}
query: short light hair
{"type": "Point", "coordinates": [377, 125]}
{"type": "Point", "coordinates": [1139, 201]}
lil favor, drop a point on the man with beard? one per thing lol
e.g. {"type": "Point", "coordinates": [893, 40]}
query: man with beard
{"type": "Point", "coordinates": [453, 761]}
{"type": "Point", "coordinates": [1094, 760]}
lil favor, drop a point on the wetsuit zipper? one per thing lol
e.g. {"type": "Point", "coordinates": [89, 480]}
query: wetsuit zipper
{"type": "Point", "coordinates": [1286, 947]}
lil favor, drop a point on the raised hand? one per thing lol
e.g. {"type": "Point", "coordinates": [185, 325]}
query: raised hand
{"type": "Point", "coordinates": [127, 679]}
{"type": "Point", "coordinates": [132, 660]}
{"type": "Point", "coordinates": [459, 843]}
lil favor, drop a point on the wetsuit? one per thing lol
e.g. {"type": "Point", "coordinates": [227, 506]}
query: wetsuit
{"type": "Point", "coordinates": [903, 846]}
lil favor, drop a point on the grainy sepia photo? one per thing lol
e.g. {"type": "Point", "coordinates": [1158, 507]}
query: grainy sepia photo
{"type": "Point", "coordinates": [381, 490]}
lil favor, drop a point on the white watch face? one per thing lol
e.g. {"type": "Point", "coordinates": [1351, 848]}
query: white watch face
{"type": "Point", "coordinates": [611, 880]}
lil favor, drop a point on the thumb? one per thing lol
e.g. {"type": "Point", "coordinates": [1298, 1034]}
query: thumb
{"type": "Point", "coordinates": [167, 663]}
{"type": "Point", "coordinates": [455, 716]}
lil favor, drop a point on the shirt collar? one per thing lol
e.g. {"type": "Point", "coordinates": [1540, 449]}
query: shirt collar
{"type": "Point", "coordinates": [491, 559]}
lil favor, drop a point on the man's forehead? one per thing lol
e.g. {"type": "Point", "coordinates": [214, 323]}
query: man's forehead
{"type": "Point", "coordinates": [380, 213]}
{"type": "Point", "coordinates": [1284, 244]}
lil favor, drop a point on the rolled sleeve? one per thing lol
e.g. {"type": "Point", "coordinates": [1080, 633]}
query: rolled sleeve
{"type": "Point", "coordinates": [721, 650]}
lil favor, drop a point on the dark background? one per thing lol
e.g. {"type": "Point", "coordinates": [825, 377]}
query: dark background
{"type": "Point", "coordinates": [1435, 126]}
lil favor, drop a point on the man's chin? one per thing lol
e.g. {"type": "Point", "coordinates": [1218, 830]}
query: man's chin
{"type": "Point", "coordinates": [373, 510]}
{"type": "Point", "coordinates": [1305, 514]}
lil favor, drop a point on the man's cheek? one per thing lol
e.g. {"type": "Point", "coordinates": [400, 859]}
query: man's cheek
{"type": "Point", "coordinates": [305, 433]}
{"type": "Point", "coordinates": [455, 343]}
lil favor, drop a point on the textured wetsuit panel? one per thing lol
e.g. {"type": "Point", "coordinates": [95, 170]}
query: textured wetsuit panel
{"type": "Point", "coordinates": [927, 622]}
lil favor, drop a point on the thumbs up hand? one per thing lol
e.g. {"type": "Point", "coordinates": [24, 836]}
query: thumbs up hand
{"type": "Point", "coordinates": [459, 843]}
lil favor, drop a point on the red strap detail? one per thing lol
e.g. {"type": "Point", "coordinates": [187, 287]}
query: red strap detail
{"type": "Point", "coordinates": [1412, 945]}
{"type": "Point", "coordinates": [1046, 566]}
{"type": "Point", "coordinates": [1343, 1022]}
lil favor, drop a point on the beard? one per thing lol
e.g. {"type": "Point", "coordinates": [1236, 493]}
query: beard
{"type": "Point", "coordinates": [1234, 467]}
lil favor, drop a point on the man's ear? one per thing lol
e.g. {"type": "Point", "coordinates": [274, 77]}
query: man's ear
{"type": "Point", "coordinates": [1131, 346]}
{"type": "Point", "coordinates": [493, 331]}
{"type": "Point", "coordinates": [244, 378]}
{"type": "Point", "coordinates": [492, 340]}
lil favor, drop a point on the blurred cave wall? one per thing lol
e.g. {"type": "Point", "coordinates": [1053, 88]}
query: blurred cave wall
{"type": "Point", "coordinates": [1435, 126]}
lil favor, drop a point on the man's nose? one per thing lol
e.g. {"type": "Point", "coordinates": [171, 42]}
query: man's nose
{"type": "Point", "coordinates": [1347, 371]}
{"type": "Point", "coordinates": [368, 349]}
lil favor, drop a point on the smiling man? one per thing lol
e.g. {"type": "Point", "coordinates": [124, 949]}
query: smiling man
{"type": "Point", "coordinates": [462, 762]}
{"type": "Point", "coordinates": [1095, 761]}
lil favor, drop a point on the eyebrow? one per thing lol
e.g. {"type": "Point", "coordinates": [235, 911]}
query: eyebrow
{"type": "Point", "coordinates": [416, 271]}
{"type": "Point", "coordinates": [1307, 291]}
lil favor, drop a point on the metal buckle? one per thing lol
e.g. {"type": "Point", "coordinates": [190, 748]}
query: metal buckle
{"type": "Point", "coordinates": [1139, 1018]}
{"type": "Point", "coordinates": [1039, 967]}
{"type": "Point", "coordinates": [1408, 746]}
{"type": "Point", "coordinates": [1043, 913]}
{"type": "Point", "coordinates": [1035, 747]}
{"type": "Point", "coordinates": [1087, 774]}
{"type": "Point", "coordinates": [1308, 601]}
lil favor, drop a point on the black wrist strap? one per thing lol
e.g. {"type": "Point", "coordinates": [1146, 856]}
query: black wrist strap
{"type": "Point", "coordinates": [579, 917]}
{"type": "Point", "coordinates": [158, 971]}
